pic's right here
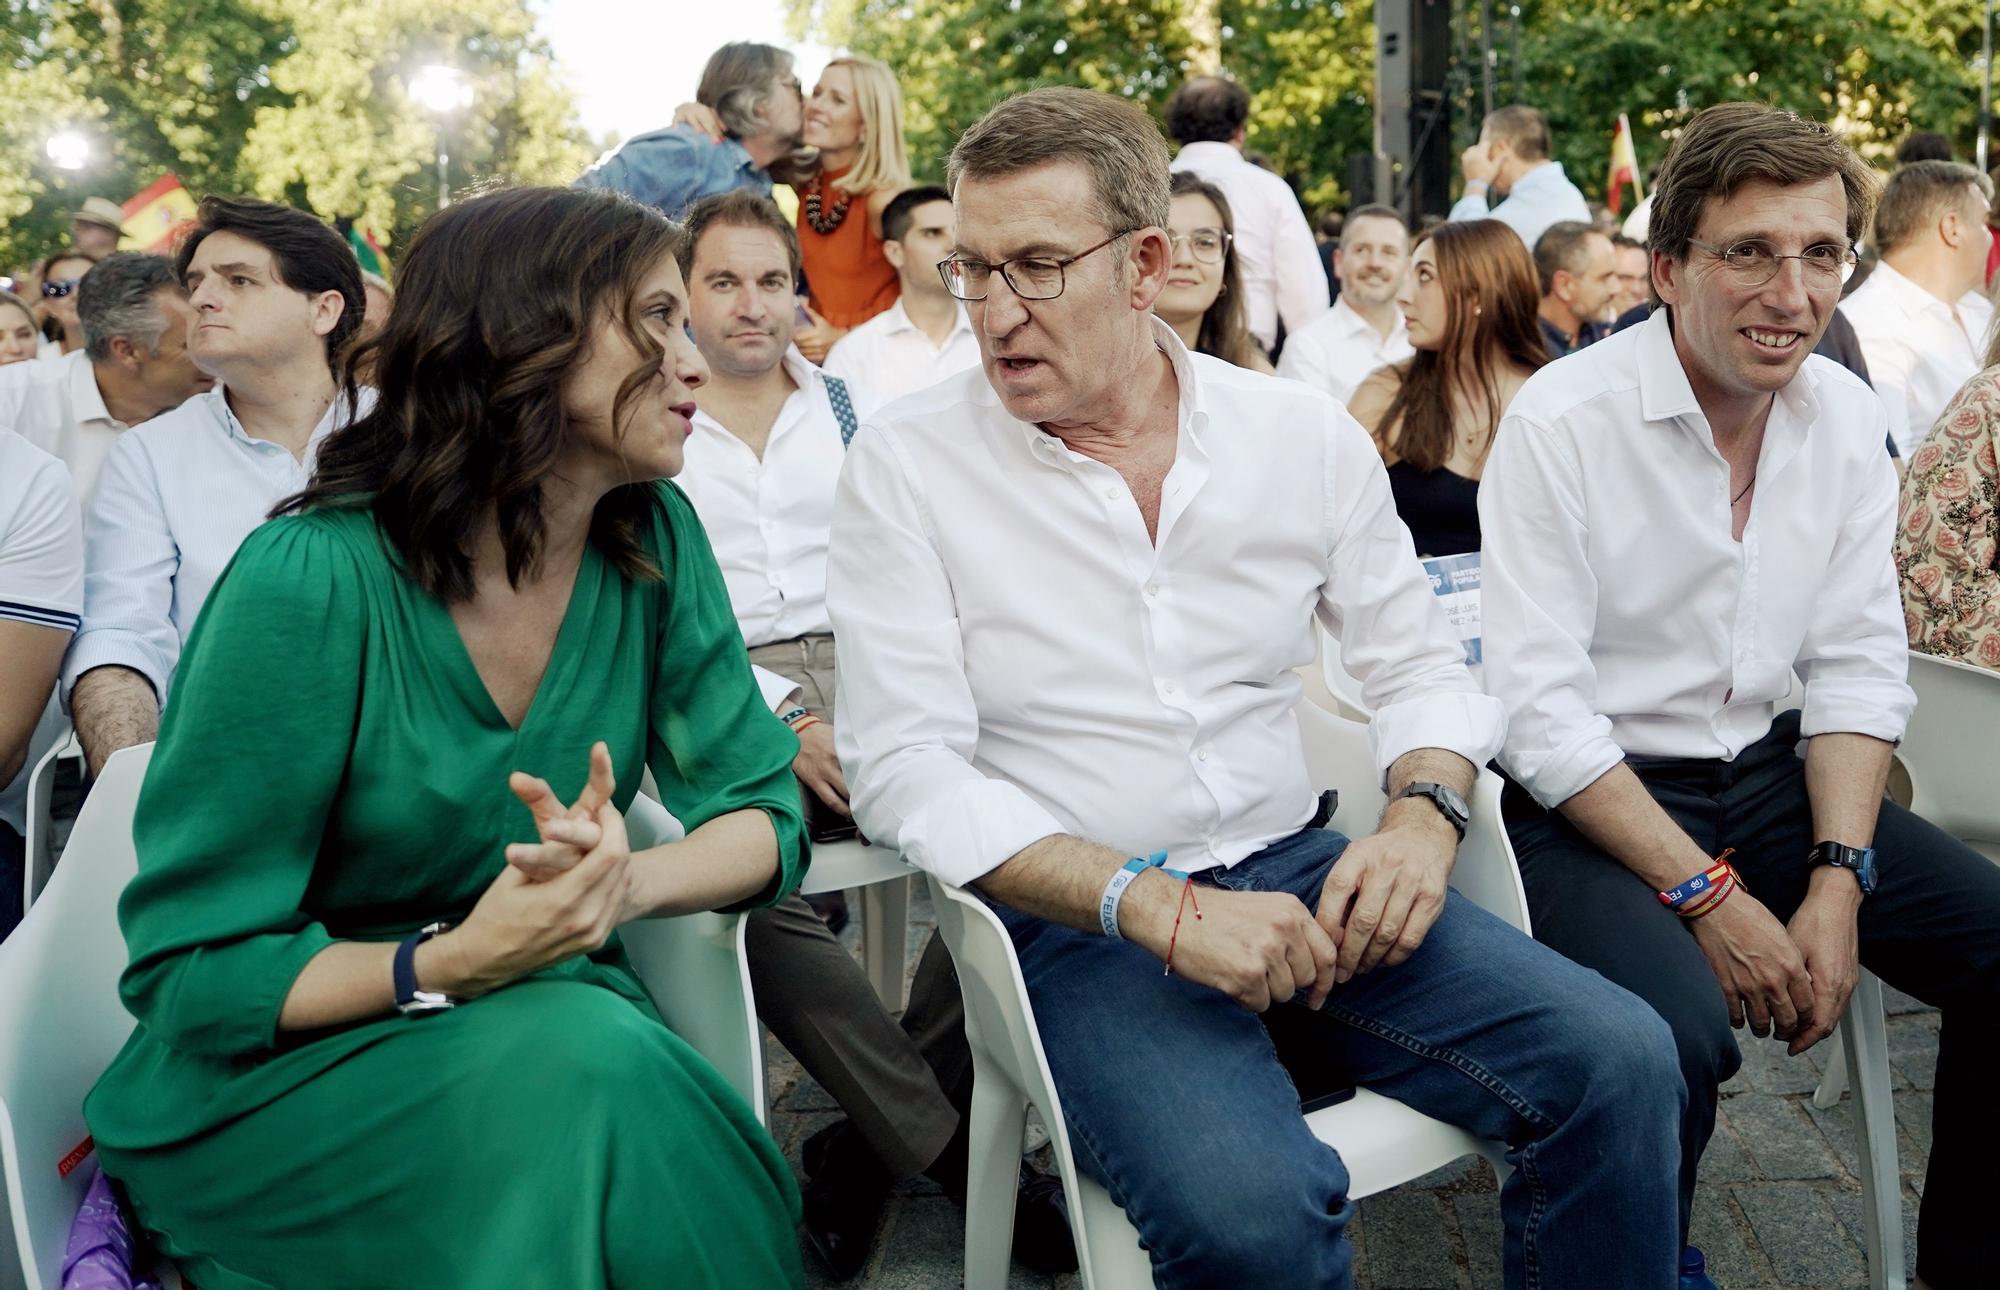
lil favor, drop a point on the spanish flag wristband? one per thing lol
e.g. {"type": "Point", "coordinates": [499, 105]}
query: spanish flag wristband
{"type": "Point", "coordinates": [1704, 892]}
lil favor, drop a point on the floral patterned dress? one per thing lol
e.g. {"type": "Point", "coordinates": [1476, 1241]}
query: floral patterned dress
{"type": "Point", "coordinates": [1950, 531]}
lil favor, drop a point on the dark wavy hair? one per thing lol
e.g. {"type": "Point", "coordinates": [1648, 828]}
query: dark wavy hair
{"type": "Point", "coordinates": [496, 301]}
{"type": "Point", "coordinates": [1491, 297]}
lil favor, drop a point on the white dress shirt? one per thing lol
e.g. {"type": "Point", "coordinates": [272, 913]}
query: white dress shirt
{"type": "Point", "coordinates": [1621, 618]}
{"type": "Point", "coordinates": [41, 576]}
{"type": "Point", "coordinates": [768, 518]}
{"type": "Point", "coordinates": [1275, 251]}
{"type": "Point", "coordinates": [57, 407]}
{"type": "Point", "coordinates": [1542, 197]}
{"type": "Point", "coordinates": [178, 496]}
{"type": "Point", "coordinates": [1338, 351]}
{"type": "Point", "coordinates": [1920, 350]}
{"type": "Point", "coordinates": [892, 356]}
{"type": "Point", "coordinates": [1018, 659]}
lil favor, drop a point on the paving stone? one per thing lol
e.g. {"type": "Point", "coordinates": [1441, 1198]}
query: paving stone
{"type": "Point", "coordinates": [1913, 1049]}
{"type": "Point", "coordinates": [806, 1095]}
{"type": "Point", "coordinates": [1480, 1235]}
{"type": "Point", "coordinates": [1798, 1233]}
{"type": "Point", "coordinates": [1847, 1206]}
{"type": "Point", "coordinates": [1408, 1244]}
{"type": "Point", "coordinates": [1720, 1233]}
{"type": "Point", "coordinates": [1781, 1140]}
{"type": "Point", "coordinates": [1913, 1118]}
{"type": "Point", "coordinates": [1770, 1070]}
{"type": "Point", "coordinates": [1836, 1125]}
{"type": "Point", "coordinates": [1725, 1161]}
{"type": "Point", "coordinates": [1459, 1172]}
{"type": "Point", "coordinates": [1896, 1003]}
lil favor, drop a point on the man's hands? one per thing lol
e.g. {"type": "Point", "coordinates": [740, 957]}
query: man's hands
{"type": "Point", "coordinates": [1257, 947]}
{"type": "Point", "coordinates": [818, 767]}
{"type": "Point", "coordinates": [1827, 935]}
{"type": "Point", "coordinates": [818, 339]}
{"type": "Point", "coordinates": [1762, 973]}
{"type": "Point", "coordinates": [1478, 164]}
{"type": "Point", "coordinates": [1387, 889]}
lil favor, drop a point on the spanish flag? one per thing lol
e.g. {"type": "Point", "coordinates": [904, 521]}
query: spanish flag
{"type": "Point", "coordinates": [155, 217]}
{"type": "Point", "coordinates": [1624, 167]}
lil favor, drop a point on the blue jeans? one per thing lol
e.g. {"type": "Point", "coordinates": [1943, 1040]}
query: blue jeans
{"type": "Point", "coordinates": [1177, 1103]}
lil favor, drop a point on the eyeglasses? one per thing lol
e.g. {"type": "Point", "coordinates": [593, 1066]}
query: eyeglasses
{"type": "Point", "coordinates": [1032, 278]}
{"type": "Point", "coordinates": [1207, 245]}
{"type": "Point", "coordinates": [1752, 263]}
{"type": "Point", "coordinates": [57, 288]}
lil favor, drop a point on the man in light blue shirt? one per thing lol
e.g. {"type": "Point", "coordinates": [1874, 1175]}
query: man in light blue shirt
{"type": "Point", "coordinates": [754, 90]}
{"type": "Point", "coordinates": [1511, 161]}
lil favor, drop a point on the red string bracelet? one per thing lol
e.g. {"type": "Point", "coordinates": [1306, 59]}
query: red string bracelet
{"type": "Point", "coordinates": [1187, 896]}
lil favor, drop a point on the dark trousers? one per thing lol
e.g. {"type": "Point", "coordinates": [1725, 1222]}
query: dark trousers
{"type": "Point", "coordinates": [13, 876]}
{"type": "Point", "coordinates": [1932, 930]}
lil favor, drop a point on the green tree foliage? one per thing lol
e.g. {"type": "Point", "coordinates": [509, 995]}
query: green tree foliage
{"type": "Point", "coordinates": [305, 103]}
{"type": "Point", "coordinates": [1873, 69]}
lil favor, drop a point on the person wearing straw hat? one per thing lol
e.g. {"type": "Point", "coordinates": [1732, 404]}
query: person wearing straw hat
{"type": "Point", "coordinates": [96, 226]}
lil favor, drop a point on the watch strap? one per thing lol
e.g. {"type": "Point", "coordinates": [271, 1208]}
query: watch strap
{"type": "Point", "coordinates": [1447, 801]}
{"type": "Point", "coordinates": [1860, 861]}
{"type": "Point", "coordinates": [403, 972]}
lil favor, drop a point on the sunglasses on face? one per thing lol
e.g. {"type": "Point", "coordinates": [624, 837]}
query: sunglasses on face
{"type": "Point", "coordinates": [57, 288]}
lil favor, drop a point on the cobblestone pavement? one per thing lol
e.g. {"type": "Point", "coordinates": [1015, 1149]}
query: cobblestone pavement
{"type": "Point", "coordinates": [1779, 1206]}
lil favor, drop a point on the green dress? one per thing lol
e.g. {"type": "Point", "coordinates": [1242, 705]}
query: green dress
{"type": "Point", "coordinates": [332, 767]}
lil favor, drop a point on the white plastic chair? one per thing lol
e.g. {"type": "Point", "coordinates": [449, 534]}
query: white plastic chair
{"type": "Point", "coordinates": [884, 879]}
{"type": "Point", "coordinates": [40, 846]}
{"type": "Point", "coordinates": [61, 1022]}
{"type": "Point", "coordinates": [1382, 1142]}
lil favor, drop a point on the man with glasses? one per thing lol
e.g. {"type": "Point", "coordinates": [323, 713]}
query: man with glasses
{"type": "Point", "coordinates": [1676, 521]}
{"type": "Point", "coordinates": [1069, 592]}
{"type": "Point", "coordinates": [1364, 330]}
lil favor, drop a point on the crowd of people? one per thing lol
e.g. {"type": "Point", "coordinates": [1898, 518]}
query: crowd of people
{"type": "Point", "coordinates": [990, 515]}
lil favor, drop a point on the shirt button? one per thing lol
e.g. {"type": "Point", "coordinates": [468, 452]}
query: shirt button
{"type": "Point", "coordinates": [1167, 686]}
{"type": "Point", "coordinates": [1152, 588]}
{"type": "Point", "coordinates": [1201, 754]}
{"type": "Point", "coordinates": [1111, 493]}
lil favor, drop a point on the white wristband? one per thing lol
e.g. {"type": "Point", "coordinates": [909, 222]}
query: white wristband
{"type": "Point", "coordinates": [1114, 891]}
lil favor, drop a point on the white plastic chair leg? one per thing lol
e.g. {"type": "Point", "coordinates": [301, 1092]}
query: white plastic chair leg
{"type": "Point", "coordinates": [885, 922]}
{"type": "Point", "coordinates": [1864, 1035]}
{"type": "Point", "coordinates": [1833, 1083]}
{"type": "Point", "coordinates": [999, 1112]}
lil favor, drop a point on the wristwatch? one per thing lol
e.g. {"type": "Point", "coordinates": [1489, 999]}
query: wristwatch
{"type": "Point", "coordinates": [1447, 800]}
{"type": "Point", "coordinates": [1859, 859]}
{"type": "Point", "coordinates": [411, 1001]}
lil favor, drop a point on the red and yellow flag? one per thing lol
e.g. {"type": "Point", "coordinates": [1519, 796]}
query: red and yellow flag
{"type": "Point", "coordinates": [155, 217]}
{"type": "Point", "coordinates": [1624, 167]}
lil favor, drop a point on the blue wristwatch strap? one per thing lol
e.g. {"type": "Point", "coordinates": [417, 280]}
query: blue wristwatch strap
{"type": "Point", "coordinates": [1114, 891]}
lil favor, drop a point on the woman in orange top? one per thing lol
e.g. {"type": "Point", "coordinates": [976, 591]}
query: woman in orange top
{"type": "Point", "coordinates": [855, 120]}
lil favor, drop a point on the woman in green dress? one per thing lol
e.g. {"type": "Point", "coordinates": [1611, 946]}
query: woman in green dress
{"type": "Point", "coordinates": [486, 576]}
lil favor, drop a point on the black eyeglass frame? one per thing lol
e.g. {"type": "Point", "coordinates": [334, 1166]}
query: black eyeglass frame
{"type": "Point", "coordinates": [1004, 269]}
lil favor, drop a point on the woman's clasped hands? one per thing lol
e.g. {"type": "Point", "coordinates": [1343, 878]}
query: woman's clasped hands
{"type": "Point", "coordinates": [557, 898]}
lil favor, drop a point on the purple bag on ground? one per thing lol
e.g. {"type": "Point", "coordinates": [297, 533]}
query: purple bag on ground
{"type": "Point", "coordinates": [102, 1250]}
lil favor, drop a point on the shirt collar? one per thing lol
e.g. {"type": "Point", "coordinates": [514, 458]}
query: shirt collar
{"type": "Point", "coordinates": [1546, 175]}
{"type": "Point", "coordinates": [1353, 324]}
{"type": "Point", "coordinates": [1904, 291]}
{"type": "Point", "coordinates": [898, 321]}
{"type": "Point", "coordinates": [86, 401]}
{"type": "Point", "coordinates": [1212, 150]}
{"type": "Point", "coordinates": [1665, 393]}
{"type": "Point", "coordinates": [338, 413]}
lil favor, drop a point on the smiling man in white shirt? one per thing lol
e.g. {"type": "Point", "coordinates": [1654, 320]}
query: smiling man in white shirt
{"type": "Point", "coordinates": [1364, 330]}
{"type": "Point", "coordinates": [925, 336]}
{"type": "Point", "coordinates": [276, 293]}
{"type": "Point", "coordinates": [1676, 520]}
{"type": "Point", "coordinates": [1282, 277]}
{"type": "Point", "coordinates": [1922, 315]}
{"type": "Point", "coordinates": [1070, 591]}
{"type": "Point", "coordinates": [762, 461]}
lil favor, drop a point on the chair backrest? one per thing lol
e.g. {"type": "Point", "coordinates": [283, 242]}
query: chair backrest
{"type": "Point", "coordinates": [61, 1021]}
{"type": "Point", "coordinates": [41, 799]}
{"type": "Point", "coordinates": [1948, 748]}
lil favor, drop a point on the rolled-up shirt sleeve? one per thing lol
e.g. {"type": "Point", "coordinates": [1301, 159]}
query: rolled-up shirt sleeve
{"type": "Point", "coordinates": [1377, 601]}
{"type": "Point", "coordinates": [1855, 656]}
{"type": "Point", "coordinates": [906, 722]}
{"type": "Point", "coordinates": [130, 559]}
{"type": "Point", "coordinates": [1538, 607]}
